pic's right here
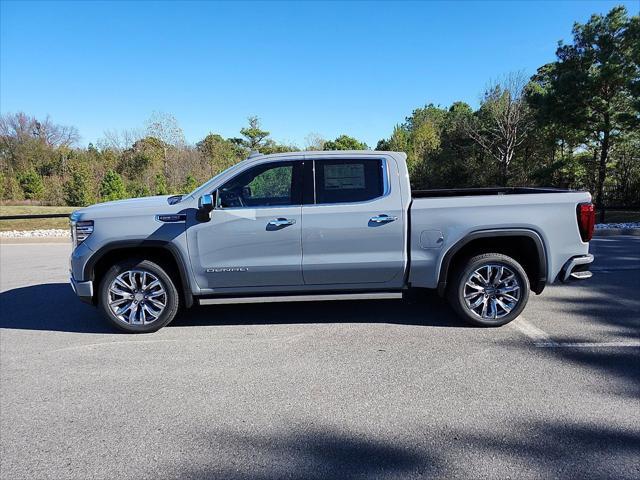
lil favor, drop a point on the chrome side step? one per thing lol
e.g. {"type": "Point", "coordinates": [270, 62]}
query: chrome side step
{"type": "Point", "coordinates": [302, 298]}
{"type": "Point", "coordinates": [579, 264]}
{"type": "Point", "coordinates": [585, 274]}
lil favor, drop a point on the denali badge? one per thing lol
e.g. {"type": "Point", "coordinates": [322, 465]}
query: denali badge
{"type": "Point", "coordinates": [227, 269]}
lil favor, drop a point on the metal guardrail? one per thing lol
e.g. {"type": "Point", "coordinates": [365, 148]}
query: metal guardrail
{"type": "Point", "coordinates": [27, 217]}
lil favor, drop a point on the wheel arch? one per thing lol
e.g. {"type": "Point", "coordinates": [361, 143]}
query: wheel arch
{"type": "Point", "coordinates": [523, 245]}
{"type": "Point", "coordinates": [161, 252]}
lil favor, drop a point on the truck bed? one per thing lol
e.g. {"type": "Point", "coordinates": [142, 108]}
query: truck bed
{"type": "Point", "coordinates": [441, 218]}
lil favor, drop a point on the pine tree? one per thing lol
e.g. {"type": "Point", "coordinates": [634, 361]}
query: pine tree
{"type": "Point", "coordinates": [112, 187]}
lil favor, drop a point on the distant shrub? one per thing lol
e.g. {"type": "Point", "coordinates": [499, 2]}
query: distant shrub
{"type": "Point", "coordinates": [190, 184]}
{"type": "Point", "coordinates": [53, 191]}
{"type": "Point", "coordinates": [160, 185]}
{"type": "Point", "coordinates": [10, 188]}
{"type": "Point", "coordinates": [112, 187]}
{"type": "Point", "coordinates": [77, 190]}
{"type": "Point", "coordinates": [138, 189]}
{"type": "Point", "coordinates": [31, 184]}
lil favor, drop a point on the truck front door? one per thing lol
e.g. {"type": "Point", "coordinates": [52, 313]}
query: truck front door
{"type": "Point", "coordinates": [254, 236]}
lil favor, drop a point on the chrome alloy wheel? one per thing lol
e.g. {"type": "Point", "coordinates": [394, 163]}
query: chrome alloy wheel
{"type": "Point", "coordinates": [492, 291]}
{"type": "Point", "coordinates": [137, 297]}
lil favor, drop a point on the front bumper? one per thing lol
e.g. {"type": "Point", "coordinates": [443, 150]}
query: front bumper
{"type": "Point", "coordinates": [577, 268]}
{"type": "Point", "coordinates": [84, 290]}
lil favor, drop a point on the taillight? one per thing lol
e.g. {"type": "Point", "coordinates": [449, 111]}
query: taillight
{"type": "Point", "coordinates": [586, 220]}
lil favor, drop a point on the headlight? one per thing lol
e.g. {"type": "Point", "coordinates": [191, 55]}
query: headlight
{"type": "Point", "coordinates": [80, 231]}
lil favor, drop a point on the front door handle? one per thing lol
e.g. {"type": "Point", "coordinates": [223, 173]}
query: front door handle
{"type": "Point", "coordinates": [384, 218]}
{"type": "Point", "coordinates": [281, 222]}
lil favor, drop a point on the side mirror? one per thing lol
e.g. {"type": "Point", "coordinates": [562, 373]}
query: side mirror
{"type": "Point", "coordinates": [206, 203]}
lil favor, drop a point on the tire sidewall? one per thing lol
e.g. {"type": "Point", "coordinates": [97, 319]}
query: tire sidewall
{"type": "Point", "coordinates": [173, 299]}
{"type": "Point", "coordinates": [473, 264]}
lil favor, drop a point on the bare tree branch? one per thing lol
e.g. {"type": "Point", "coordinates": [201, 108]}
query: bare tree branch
{"type": "Point", "coordinates": [504, 120]}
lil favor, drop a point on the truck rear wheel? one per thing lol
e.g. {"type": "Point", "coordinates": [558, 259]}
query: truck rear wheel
{"type": "Point", "coordinates": [489, 290]}
{"type": "Point", "coordinates": [138, 296]}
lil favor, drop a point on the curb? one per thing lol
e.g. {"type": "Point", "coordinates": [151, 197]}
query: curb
{"type": "Point", "coordinates": [611, 232]}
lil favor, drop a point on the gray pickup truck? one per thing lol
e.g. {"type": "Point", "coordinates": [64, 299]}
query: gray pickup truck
{"type": "Point", "coordinates": [319, 224]}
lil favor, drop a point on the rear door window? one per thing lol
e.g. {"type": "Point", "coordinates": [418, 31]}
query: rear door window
{"type": "Point", "coordinates": [348, 181]}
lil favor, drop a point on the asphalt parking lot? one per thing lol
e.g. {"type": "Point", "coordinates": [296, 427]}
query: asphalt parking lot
{"type": "Point", "coordinates": [359, 389]}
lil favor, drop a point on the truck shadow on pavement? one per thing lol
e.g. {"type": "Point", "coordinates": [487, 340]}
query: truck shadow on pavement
{"type": "Point", "coordinates": [603, 309]}
{"type": "Point", "coordinates": [568, 449]}
{"type": "Point", "coordinates": [429, 310]}
{"type": "Point", "coordinates": [54, 306]}
{"type": "Point", "coordinates": [49, 306]}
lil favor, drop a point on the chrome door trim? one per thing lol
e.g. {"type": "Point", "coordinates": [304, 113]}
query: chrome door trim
{"type": "Point", "coordinates": [282, 222]}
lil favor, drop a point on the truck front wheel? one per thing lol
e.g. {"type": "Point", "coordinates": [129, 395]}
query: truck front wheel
{"type": "Point", "coordinates": [138, 296]}
{"type": "Point", "coordinates": [489, 290]}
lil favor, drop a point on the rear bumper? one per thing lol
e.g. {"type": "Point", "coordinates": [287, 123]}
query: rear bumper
{"type": "Point", "coordinates": [577, 268]}
{"type": "Point", "coordinates": [84, 290]}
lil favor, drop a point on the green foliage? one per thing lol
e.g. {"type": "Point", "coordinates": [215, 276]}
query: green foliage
{"type": "Point", "coordinates": [591, 94]}
{"type": "Point", "coordinates": [254, 136]}
{"type": "Point", "coordinates": [219, 153]}
{"type": "Point", "coordinates": [10, 188]}
{"type": "Point", "coordinates": [190, 184]}
{"type": "Point", "coordinates": [161, 187]}
{"type": "Point", "coordinates": [77, 190]}
{"type": "Point", "coordinates": [272, 147]}
{"type": "Point", "coordinates": [31, 184]}
{"type": "Point", "coordinates": [112, 187]}
{"type": "Point", "coordinates": [144, 155]}
{"type": "Point", "coordinates": [344, 142]}
{"type": "Point", "coordinates": [137, 189]}
{"type": "Point", "coordinates": [53, 191]}
{"type": "Point", "coordinates": [275, 182]}
{"type": "Point", "coordinates": [439, 150]}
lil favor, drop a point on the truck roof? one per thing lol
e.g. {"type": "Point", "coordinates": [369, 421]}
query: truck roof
{"type": "Point", "coordinates": [342, 153]}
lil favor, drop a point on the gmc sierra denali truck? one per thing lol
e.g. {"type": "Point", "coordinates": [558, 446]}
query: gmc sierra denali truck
{"type": "Point", "coordinates": [317, 223]}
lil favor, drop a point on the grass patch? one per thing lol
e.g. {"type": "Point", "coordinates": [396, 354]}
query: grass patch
{"type": "Point", "coordinates": [35, 224]}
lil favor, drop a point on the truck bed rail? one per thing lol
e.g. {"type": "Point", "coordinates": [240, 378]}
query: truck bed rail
{"type": "Point", "coordinates": [471, 192]}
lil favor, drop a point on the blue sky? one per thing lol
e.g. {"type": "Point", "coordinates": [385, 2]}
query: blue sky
{"type": "Point", "coordinates": [329, 68]}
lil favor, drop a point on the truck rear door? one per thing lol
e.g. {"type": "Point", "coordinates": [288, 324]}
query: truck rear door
{"type": "Point", "coordinates": [353, 229]}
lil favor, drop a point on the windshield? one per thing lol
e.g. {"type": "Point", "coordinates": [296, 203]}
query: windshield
{"type": "Point", "coordinates": [202, 189]}
{"type": "Point", "coordinates": [194, 192]}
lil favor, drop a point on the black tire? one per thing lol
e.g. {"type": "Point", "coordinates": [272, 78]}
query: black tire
{"type": "Point", "coordinates": [458, 285]}
{"type": "Point", "coordinates": [171, 297]}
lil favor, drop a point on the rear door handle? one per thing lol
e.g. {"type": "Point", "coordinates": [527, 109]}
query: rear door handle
{"type": "Point", "coordinates": [281, 222]}
{"type": "Point", "coordinates": [384, 218]}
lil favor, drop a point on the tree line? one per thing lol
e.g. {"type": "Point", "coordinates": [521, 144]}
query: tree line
{"type": "Point", "coordinates": [574, 124]}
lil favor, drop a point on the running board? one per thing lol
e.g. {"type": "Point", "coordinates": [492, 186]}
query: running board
{"type": "Point", "coordinates": [583, 275]}
{"type": "Point", "coordinates": [302, 298]}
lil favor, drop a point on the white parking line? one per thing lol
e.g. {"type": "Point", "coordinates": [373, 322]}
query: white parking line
{"type": "Point", "coordinates": [542, 339]}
